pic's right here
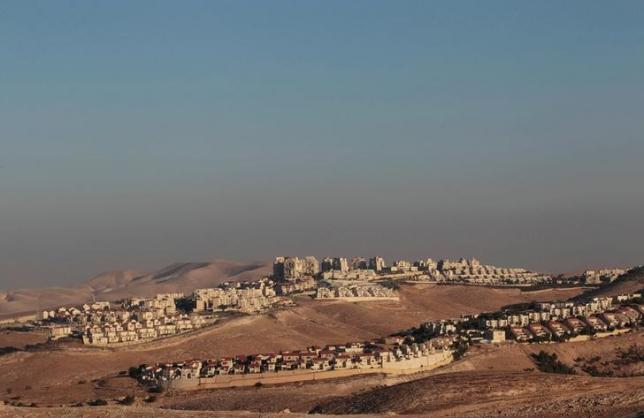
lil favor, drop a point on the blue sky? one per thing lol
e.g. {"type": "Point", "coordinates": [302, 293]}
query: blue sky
{"type": "Point", "coordinates": [135, 134]}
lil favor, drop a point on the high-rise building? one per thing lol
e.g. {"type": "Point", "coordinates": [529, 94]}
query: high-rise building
{"type": "Point", "coordinates": [327, 264]}
{"type": "Point", "coordinates": [278, 268]}
{"type": "Point", "coordinates": [293, 267]}
{"type": "Point", "coordinates": [426, 265]}
{"type": "Point", "coordinates": [359, 263]}
{"type": "Point", "coordinates": [341, 264]}
{"type": "Point", "coordinates": [377, 264]}
{"type": "Point", "coordinates": [311, 266]}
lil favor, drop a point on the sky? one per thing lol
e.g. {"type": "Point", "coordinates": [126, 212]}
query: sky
{"type": "Point", "coordinates": [138, 134]}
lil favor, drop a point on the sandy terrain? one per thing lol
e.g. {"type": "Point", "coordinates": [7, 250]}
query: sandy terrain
{"type": "Point", "coordinates": [508, 394]}
{"type": "Point", "coordinates": [20, 339]}
{"type": "Point", "coordinates": [142, 412]}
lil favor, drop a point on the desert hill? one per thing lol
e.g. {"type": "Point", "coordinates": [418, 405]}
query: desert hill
{"type": "Point", "coordinates": [178, 277]}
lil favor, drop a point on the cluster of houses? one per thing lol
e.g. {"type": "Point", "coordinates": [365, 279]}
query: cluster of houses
{"type": "Point", "coordinates": [462, 271]}
{"type": "Point", "coordinates": [381, 354]}
{"type": "Point", "coordinates": [247, 297]}
{"type": "Point", "coordinates": [354, 292]}
{"type": "Point", "coordinates": [543, 321]}
{"type": "Point", "coordinates": [296, 285]}
{"type": "Point", "coordinates": [145, 327]}
{"type": "Point", "coordinates": [594, 277]}
{"type": "Point", "coordinates": [475, 273]}
{"type": "Point", "coordinates": [137, 319]}
{"type": "Point", "coordinates": [561, 328]}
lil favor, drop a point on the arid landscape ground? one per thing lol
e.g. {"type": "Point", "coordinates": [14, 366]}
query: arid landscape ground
{"type": "Point", "coordinates": [488, 381]}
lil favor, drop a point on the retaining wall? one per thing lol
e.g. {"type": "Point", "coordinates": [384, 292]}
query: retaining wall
{"type": "Point", "coordinates": [403, 367]}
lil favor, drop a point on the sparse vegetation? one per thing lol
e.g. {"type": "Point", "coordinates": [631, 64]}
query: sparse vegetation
{"type": "Point", "coordinates": [128, 400]}
{"type": "Point", "coordinates": [155, 389]}
{"type": "Point", "coordinates": [8, 350]}
{"type": "Point", "coordinates": [634, 354]}
{"type": "Point", "coordinates": [595, 372]}
{"type": "Point", "coordinates": [97, 402]}
{"type": "Point", "coordinates": [461, 348]}
{"type": "Point", "coordinates": [134, 372]}
{"type": "Point", "coordinates": [390, 284]}
{"type": "Point", "coordinates": [549, 363]}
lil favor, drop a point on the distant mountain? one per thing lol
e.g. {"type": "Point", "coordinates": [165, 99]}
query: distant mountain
{"type": "Point", "coordinates": [178, 277]}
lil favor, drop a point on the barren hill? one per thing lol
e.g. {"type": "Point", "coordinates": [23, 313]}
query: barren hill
{"type": "Point", "coordinates": [178, 277]}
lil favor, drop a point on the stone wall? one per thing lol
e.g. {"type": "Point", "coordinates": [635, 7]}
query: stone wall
{"type": "Point", "coordinates": [403, 367]}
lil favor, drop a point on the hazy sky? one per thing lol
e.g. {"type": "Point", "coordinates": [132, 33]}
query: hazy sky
{"type": "Point", "coordinates": [136, 134]}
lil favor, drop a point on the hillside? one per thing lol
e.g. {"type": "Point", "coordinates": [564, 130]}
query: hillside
{"type": "Point", "coordinates": [178, 277]}
{"type": "Point", "coordinates": [496, 381]}
{"type": "Point", "coordinates": [311, 322]}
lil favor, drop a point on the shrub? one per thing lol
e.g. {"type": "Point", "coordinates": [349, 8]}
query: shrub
{"type": "Point", "coordinates": [548, 363]}
{"type": "Point", "coordinates": [134, 372]}
{"type": "Point", "coordinates": [97, 402]}
{"type": "Point", "coordinates": [8, 350]}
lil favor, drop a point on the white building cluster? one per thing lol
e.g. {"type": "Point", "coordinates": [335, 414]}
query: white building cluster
{"type": "Point", "coordinates": [242, 297]}
{"type": "Point", "coordinates": [362, 269]}
{"type": "Point", "coordinates": [602, 275]}
{"type": "Point", "coordinates": [354, 292]}
{"type": "Point", "coordinates": [115, 329]}
{"type": "Point", "coordinates": [137, 319]}
{"type": "Point", "coordinates": [472, 271]}
{"type": "Point", "coordinates": [294, 267]}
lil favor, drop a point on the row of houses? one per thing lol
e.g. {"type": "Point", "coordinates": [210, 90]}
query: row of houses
{"type": "Point", "coordinates": [543, 321]}
{"type": "Point", "coordinates": [621, 318]}
{"type": "Point", "coordinates": [247, 297]}
{"type": "Point", "coordinates": [134, 331]}
{"type": "Point", "coordinates": [332, 357]}
{"type": "Point", "coordinates": [348, 292]}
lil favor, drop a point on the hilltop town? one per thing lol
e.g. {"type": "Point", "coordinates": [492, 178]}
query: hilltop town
{"type": "Point", "coordinates": [139, 319]}
{"type": "Point", "coordinates": [431, 345]}
{"type": "Point", "coordinates": [376, 293]}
